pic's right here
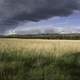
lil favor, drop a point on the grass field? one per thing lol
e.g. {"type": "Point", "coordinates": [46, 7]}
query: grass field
{"type": "Point", "coordinates": [37, 59]}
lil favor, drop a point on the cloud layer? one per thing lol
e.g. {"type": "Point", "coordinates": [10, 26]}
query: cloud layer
{"type": "Point", "coordinates": [12, 12]}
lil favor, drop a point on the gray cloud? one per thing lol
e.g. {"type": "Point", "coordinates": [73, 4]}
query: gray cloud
{"type": "Point", "coordinates": [14, 11]}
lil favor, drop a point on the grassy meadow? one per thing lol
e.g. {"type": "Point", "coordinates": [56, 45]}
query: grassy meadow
{"type": "Point", "coordinates": [38, 59]}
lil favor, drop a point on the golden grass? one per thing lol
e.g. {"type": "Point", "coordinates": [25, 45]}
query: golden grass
{"type": "Point", "coordinates": [57, 47]}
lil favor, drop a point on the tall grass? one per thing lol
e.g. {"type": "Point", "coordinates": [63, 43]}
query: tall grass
{"type": "Point", "coordinates": [38, 63]}
{"type": "Point", "coordinates": [32, 67]}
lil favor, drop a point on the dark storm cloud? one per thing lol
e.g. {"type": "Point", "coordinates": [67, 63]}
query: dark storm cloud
{"type": "Point", "coordinates": [14, 11]}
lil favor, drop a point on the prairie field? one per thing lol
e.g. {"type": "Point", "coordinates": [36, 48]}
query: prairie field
{"type": "Point", "coordinates": [58, 47]}
{"type": "Point", "coordinates": [38, 59]}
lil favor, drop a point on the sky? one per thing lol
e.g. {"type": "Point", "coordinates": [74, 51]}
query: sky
{"type": "Point", "coordinates": [39, 16]}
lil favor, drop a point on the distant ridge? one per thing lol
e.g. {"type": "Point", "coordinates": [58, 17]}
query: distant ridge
{"type": "Point", "coordinates": [74, 36]}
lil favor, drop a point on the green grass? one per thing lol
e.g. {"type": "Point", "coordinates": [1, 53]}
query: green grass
{"type": "Point", "coordinates": [14, 66]}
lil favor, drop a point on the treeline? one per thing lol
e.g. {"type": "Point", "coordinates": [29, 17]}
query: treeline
{"type": "Point", "coordinates": [45, 36]}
